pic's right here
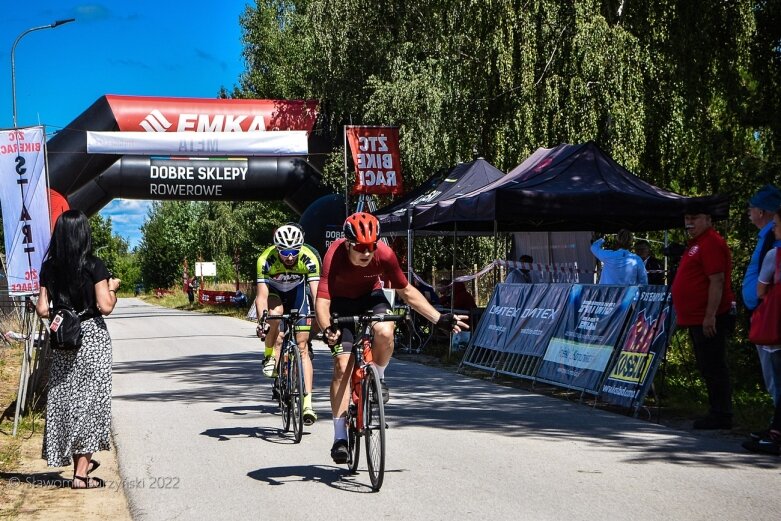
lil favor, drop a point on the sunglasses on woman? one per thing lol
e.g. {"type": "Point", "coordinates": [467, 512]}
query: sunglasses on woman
{"type": "Point", "coordinates": [288, 252]}
{"type": "Point", "coordinates": [363, 248]}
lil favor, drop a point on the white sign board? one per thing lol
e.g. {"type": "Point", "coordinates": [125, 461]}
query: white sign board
{"type": "Point", "coordinates": [205, 269]}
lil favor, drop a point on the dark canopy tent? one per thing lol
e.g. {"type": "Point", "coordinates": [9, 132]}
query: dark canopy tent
{"type": "Point", "coordinates": [462, 179]}
{"type": "Point", "coordinates": [566, 188]}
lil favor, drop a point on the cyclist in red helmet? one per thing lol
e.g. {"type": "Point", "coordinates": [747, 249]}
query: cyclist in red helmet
{"type": "Point", "coordinates": [355, 270]}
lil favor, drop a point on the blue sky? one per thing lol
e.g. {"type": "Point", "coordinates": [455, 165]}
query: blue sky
{"type": "Point", "coordinates": [147, 48]}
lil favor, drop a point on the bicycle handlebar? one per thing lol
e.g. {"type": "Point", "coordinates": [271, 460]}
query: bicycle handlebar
{"type": "Point", "coordinates": [363, 319]}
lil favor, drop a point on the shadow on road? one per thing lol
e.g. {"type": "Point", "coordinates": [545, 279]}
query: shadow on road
{"type": "Point", "coordinates": [423, 396]}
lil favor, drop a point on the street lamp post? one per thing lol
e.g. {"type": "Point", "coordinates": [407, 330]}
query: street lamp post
{"type": "Point", "coordinates": [13, 50]}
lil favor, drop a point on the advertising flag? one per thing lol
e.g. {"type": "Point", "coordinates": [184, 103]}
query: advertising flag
{"type": "Point", "coordinates": [23, 195]}
{"type": "Point", "coordinates": [586, 336]}
{"type": "Point", "coordinates": [375, 153]}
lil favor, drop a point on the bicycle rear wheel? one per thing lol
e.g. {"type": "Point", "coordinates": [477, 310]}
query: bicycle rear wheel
{"type": "Point", "coordinates": [374, 426]}
{"type": "Point", "coordinates": [296, 395]}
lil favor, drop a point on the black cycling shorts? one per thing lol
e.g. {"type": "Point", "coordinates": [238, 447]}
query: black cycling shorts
{"type": "Point", "coordinates": [374, 302]}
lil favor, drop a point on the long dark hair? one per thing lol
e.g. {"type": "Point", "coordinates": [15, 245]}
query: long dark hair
{"type": "Point", "coordinates": [69, 250]}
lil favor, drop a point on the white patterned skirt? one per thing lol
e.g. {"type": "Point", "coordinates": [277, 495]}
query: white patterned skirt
{"type": "Point", "coordinates": [78, 408]}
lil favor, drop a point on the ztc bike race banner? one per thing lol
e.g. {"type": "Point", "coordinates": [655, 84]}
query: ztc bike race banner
{"type": "Point", "coordinates": [588, 332]}
{"type": "Point", "coordinates": [642, 348]}
{"type": "Point", "coordinates": [375, 152]}
{"type": "Point", "coordinates": [23, 196]}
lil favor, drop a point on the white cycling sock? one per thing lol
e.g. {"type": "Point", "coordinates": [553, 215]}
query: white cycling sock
{"type": "Point", "coordinates": [381, 370]}
{"type": "Point", "coordinates": [340, 429]}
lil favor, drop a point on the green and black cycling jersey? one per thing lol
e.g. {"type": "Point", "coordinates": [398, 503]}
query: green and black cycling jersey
{"type": "Point", "coordinates": [272, 271]}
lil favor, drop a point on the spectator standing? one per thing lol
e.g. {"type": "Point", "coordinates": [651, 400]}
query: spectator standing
{"type": "Point", "coordinates": [78, 407]}
{"type": "Point", "coordinates": [770, 441]}
{"type": "Point", "coordinates": [192, 287]}
{"type": "Point", "coordinates": [620, 266]}
{"type": "Point", "coordinates": [703, 300]}
{"type": "Point", "coordinates": [653, 266]}
{"type": "Point", "coordinates": [762, 208]}
{"type": "Point", "coordinates": [455, 295]}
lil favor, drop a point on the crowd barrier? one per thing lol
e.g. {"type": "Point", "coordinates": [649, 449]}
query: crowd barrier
{"type": "Point", "coordinates": [599, 339]}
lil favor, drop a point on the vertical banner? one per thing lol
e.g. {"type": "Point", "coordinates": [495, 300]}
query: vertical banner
{"type": "Point", "coordinates": [23, 195]}
{"type": "Point", "coordinates": [588, 332]}
{"type": "Point", "coordinates": [642, 348]}
{"type": "Point", "coordinates": [375, 152]}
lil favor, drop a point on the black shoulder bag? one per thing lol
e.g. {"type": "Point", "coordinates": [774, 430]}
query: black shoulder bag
{"type": "Point", "coordinates": [65, 326]}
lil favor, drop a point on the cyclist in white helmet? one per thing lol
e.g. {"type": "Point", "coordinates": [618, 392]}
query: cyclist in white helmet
{"type": "Point", "coordinates": [284, 270]}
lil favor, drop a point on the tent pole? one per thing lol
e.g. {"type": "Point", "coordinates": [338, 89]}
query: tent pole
{"type": "Point", "coordinates": [346, 179]}
{"type": "Point", "coordinates": [496, 249]}
{"type": "Point", "coordinates": [410, 236]}
{"type": "Point", "coordinates": [452, 290]}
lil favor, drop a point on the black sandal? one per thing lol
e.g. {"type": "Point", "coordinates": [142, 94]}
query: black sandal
{"type": "Point", "coordinates": [93, 465]}
{"type": "Point", "coordinates": [88, 482]}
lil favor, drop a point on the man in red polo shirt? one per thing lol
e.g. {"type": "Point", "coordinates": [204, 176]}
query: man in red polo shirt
{"type": "Point", "coordinates": [703, 298]}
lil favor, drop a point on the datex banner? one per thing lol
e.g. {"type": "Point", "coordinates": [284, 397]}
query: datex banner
{"type": "Point", "coordinates": [520, 317]}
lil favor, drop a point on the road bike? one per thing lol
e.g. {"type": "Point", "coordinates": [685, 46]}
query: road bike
{"type": "Point", "coordinates": [366, 410]}
{"type": "Point", "coordinates": [289, 387]}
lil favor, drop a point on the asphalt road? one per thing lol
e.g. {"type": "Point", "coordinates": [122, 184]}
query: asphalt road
{"type": "Point", "coordinates": [198, 437]}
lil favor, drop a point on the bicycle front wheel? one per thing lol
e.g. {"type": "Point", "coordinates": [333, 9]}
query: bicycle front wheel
{"type": "Point", "coordinates": [284, 391]}
{"type": "Point", "coordinates": [353, 442]}
{"type": "Point", "coordinates": [296, 395]}
{"type": "Point", "coordinates": [374, 426]}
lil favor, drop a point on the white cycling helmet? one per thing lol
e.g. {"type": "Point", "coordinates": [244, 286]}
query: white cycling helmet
{"type": "Point", "coordinates": [288, 236]}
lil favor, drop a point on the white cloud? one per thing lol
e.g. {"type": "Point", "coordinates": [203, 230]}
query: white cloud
{"type": "Point", "coordinates": [127, 217]}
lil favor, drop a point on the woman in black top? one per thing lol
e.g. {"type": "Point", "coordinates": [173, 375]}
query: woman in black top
{"type": "Point", "coordinates": [78, 410]}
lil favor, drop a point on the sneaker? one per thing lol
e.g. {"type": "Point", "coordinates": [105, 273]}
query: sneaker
{"type": "Point", "coordinates": [711, 422]}
{"type": "Point", "coordinates": [339, 452]}
{"type": "Point", "coordinates": [274, 392]}
{"type": "Point", "coordinates": [270, 367]}
{"type": "Point", "coordinates": [385, 392]}
{"type": "Point", "coordinates": [771, 444]}
{"type": "Point", "coordinates": [309, 416]}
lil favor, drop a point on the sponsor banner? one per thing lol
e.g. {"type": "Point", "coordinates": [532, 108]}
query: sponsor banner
{"type": "Point", "coordinates": [498, 321]}
{"type": "Point", "coordinates": [586, 336]}
{"type": "Point", "coordinates": [375, 152]}
{"type": "Point", "coordinates": [541, 305]}
{"type": "Point", "coordinates": [642, 348]}
{"type": "Point", "coordinates": [211, 144]}
{"type": "Point", "coordinates": [25, 205]}
{"type": "Point", "coordinates": [155, 114]}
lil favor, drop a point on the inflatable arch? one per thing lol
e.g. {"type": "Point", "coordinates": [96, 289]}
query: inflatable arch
{"type": "Point", "coordinates": [223, 165]}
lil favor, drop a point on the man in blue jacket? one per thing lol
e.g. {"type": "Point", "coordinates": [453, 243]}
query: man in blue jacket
{"type": "Point", "coordinates": [761, 208]}
{"type": "Point", "coordinates": [620, 266]}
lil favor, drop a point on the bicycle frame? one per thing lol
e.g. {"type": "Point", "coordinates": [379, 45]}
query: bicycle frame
{"type": "Point", "coordinates": [366, 398]}
{"type": "Point", "coordinates": [284, 383]}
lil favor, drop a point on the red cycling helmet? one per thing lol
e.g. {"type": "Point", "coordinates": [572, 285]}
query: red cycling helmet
{"type": "Point", "coordinates": [362, 228]}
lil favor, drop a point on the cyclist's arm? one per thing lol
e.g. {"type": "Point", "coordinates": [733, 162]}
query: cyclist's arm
{"type": "Point", "coordinates": [323, 312]}
{"type": "Point", "coordinates": [415, 299]}
{"type": "Point", "coordinates": [261, 299]}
